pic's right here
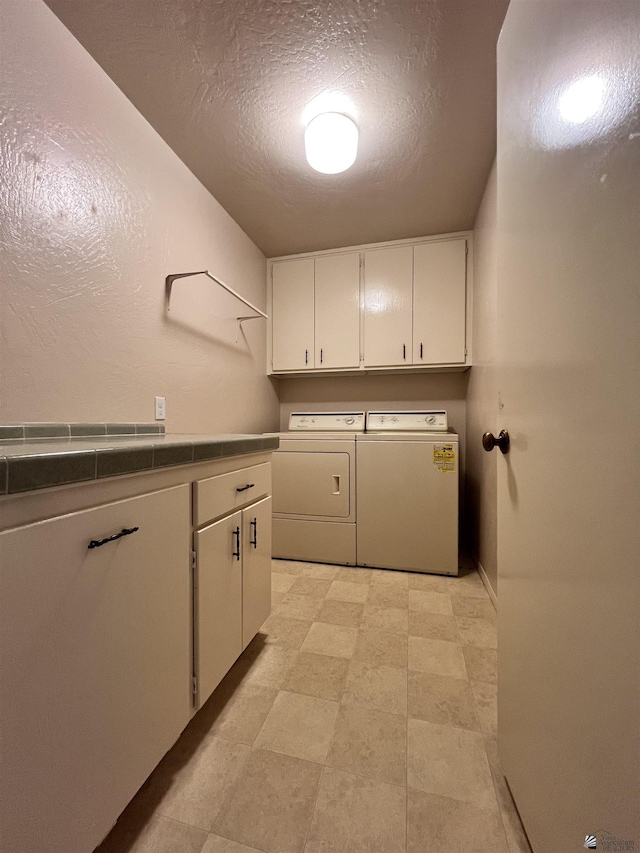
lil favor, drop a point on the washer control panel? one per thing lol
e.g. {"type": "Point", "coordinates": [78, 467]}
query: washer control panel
{"type": "Point", "coordinates": [326, 422]}
{"type": "Point", "coordinates": [421, 421]}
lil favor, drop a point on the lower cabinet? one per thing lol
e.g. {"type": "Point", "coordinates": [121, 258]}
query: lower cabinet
{"type": "Point", "coordinates": [94, 666]}
{"type": "Point", "coordinates": [232, 591]}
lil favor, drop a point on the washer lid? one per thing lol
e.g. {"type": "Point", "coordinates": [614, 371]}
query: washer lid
{"type": "Point", "coordinates": [426, 420]}
{"type": "Point", "coordinates": [326, 422]}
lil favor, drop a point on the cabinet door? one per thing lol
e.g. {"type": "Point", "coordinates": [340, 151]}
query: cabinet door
{"type": "Point", "coordinates": [95, 665]}
{"type": "Point", "coordinates": [218, 597]}
{"type": "Point", "coordinates": [256, 568]}
{"type": "Point", "coordinates": [337, 304]}
{"type": "Point", "coordinates": [292, 314]}
{"type": "Point", "coordinates": [387, 306]}
{"type": "Point", "coordinates": [439, 301]}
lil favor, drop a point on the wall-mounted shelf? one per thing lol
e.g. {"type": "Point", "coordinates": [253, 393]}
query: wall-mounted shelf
{"type": "Point", "coordinates": [171, 278]}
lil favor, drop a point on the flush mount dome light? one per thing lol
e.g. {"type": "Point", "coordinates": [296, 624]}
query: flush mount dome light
{"type": "Point", "coordinates": [331, 143]}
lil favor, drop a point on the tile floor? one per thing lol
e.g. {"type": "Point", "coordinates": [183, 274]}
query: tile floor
{"type": "Point", "coordinates": [362, 719]}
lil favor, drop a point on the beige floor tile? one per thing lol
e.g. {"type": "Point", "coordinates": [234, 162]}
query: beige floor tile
{"type": "Point", "coordinates": [340, 613]}
{"type": "Point", "coordinates": [382, 687]}
{"type": "Point", "coordinates": [217, 844]}
{"type": "Point", "coordinates": [482, 664]}
{"type": "Point", "coordinates": [276, 598]}
{"type": "Point", "coordinates": [354, 574]}
{"type": "Point", "coordinates": [315, 587]}
{"type": "Point", "coordinates": [271, 803]}
{"type": "Point", "coordinates": [158, 835]}
{"type": "Point", "coordinates": [450, 762]}
{"type": "Point", "coordinates": [477, 632]}
{"type": "Point", "coordinates": [238, 714]}
{"type": "Point", "coordinates": [433, 626]}
{"type": "Point", "coordinates": [393, 619]}
{"type": "Point", "coordinates": [442, 699]}
{"type": "Point", "coordinates": [284, 631]}
{"type": "Point", "coordinates": [347, 591]}
{"type": "Point", "coordinates": [486, 699]}
{"type": "Point", "coordinates": [385, 595]}
{"type": "Point", "coordinates": [282, 583]}
{"type": "Point", "coordinates": [442, 825]}
{"type": "Point", "coordinates": [191, 788]}
{"type": "Point", "coordinates": [390, 577]}
{"type": "Point", "coordinates": [469, 584]}
{"type": "Point", "coordinates": [475, 608]}
{"type": "Point", "coordinates": [370, 743]}
{"type": "Point", "coordinates": [516, 836]}
{"type": "Point", "coordinates": [427, 601]}
{"type": "Point", "coordinates": [319, 570]}
{"type": "Point", "coordinates": [436, 656]}
{"type": "Point", "coordinates": [323, 676]}
{"type": "Point", "coordinates": [355, 815]}
{"type": "Point", "coordinates": [265, 664]}
{"type": "Point", "coordinates": [381, 648]}
{"type": "Point", "coordinates": [286, 567]}
{"type": "Point", "coordinates": [299, 606]}
{"type": "Point", "coordinates": [435, 583]}
{"type": "Point", "coordinates": [301, 726]}
{"type": "Point", "coordinates": [326, 639]}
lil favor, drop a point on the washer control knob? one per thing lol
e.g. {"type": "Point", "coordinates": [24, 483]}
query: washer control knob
{"type": "Point", "coordinates": [349, 421]}
{"type": "Point", "coordinates": [431, 419]}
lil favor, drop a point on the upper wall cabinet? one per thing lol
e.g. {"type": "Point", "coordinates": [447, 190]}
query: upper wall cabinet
{"type": "Point", "coordinates": [315, 313]}
{"type": "Point", "coordinates": [292, 315]}
{"type": "Point", "coordinates": [388, 325]}
{"type": "Point", "coordinates": [439, 299]}
{"type": "Point", "coordinates": [400, 305]}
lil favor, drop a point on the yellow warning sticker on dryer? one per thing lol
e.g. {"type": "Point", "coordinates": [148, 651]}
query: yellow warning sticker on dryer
{"type": "Point", "coordinates": [444, 457]}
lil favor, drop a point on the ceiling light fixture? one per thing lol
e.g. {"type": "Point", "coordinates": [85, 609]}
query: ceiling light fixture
{"type": "Point", "coordinates": [331, 143]}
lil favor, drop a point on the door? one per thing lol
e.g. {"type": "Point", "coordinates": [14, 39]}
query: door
{"type": "Point", "coordinates": [292, 314]}
{"type": "Point", "coordinates": [337, 314]}
{"type": "Point", "coordinates": [256, 568]}
{"type": "Point", "coordinates": [314, 484]}
{"type": "Point", "coordinates": [568, 534]}
{"type": "Point", "coordinates": [439, 301]}
{"type": "Point", "coordinates": [95, 668]}
{"type": "Point", "coordinates": [218, 593]}
{"type": "Point", "coordinates": [388, 285]}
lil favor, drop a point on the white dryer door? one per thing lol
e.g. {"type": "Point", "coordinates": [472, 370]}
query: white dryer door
{"type": "Point", "coordinates": [311, 484]}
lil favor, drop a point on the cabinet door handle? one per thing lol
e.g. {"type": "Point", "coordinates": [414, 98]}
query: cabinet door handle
{"type": "Point", "coordinates": [244, 488]}
{"type": "Point", "coordinates": [320, 356]}
{"type": "Point", "coordinates": [420, 350]}
{"type": "Point", "coordinates": [336, 484]}
{"type": "Point", "coordinates": [126, 531]}
{"type": "Point", "coordinates": [236, 553]}
{"type": "Point", "coordinates": [254, 541]}
{"type": "Point", "coordinates": [306, 356]}
{"type": "Point", "coordinates": [404, 351]}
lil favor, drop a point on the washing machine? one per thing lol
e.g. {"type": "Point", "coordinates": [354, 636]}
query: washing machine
{"type": "Point", "coordinates": [407, 484]}
{"type": "Point", "coordinates": [314, 479]}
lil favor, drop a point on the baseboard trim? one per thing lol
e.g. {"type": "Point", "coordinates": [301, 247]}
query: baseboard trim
{"type": "Point", "coordinates": [485, 581]}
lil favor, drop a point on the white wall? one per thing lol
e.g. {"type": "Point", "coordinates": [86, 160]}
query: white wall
{"type": "Point", "coordinates": [95, 211]}
{"type": "Point", "coordinates": [482, 392]}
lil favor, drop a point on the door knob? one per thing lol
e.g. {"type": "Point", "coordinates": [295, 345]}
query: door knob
{"type": "Point", "coordinates": [489, 441]}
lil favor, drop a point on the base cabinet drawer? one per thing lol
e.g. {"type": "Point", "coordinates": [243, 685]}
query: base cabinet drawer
{"type": "Point", "coordinates": [217, 496]}
{"type": "Point", "coordinates": [94, 673]}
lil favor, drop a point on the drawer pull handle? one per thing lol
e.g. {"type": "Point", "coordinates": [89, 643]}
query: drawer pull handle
{"type": "Point", "coordinates": [126, 531]}
{"type": "Point", "coordinates": [244, 488]}
{"type": "Point", "coordinates": [254, 541]}
{"type": "Point", "coordinates": [236, 553]}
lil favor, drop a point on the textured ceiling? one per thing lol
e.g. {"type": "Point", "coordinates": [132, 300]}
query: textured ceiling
{"type": "Point", "coordinates": [226, 83]}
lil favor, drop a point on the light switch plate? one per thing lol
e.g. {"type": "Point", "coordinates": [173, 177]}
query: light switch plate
{"type": "Point", "coordinates": [161, 408]}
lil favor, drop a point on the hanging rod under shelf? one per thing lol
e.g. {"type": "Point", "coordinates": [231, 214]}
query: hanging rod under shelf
{"type": "Point", "coordinates": [171, 278]}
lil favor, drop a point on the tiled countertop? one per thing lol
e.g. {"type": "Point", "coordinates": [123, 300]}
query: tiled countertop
{"type": "Point", "coordinates": [27, 464]}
